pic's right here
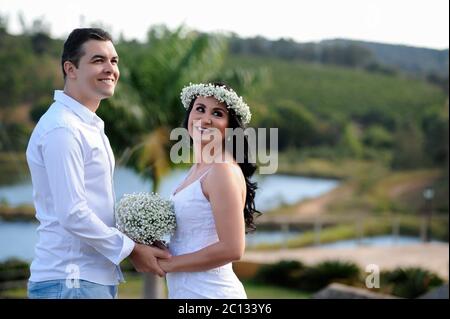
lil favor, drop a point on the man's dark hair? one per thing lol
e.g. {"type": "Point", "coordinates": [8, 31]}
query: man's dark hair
{"type": "Point", "coordinates": [73, 46]}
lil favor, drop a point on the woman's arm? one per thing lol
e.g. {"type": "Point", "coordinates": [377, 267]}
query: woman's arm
{"type": "Point", "coordinates": [226, 193]}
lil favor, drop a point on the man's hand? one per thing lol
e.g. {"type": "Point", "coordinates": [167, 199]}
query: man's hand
{"type": "Point", "coordinates": [144, 259]}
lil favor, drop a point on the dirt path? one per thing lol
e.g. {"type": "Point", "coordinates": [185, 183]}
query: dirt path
{"type": "Point", "coordinates": [432, 256]}
{"type": "Point", "coordinates": [311, 208]}
{"type": "Point", "coordinates": [318, 206]}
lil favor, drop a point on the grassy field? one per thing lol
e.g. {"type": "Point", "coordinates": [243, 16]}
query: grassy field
{"type": "Point", "coordinates": [132, 289]}
{"type": "Point", "coordinates": [334, 91]}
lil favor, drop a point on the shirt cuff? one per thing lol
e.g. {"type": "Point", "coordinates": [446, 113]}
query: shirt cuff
{"type": "Point", "coordinates": [127, 248]}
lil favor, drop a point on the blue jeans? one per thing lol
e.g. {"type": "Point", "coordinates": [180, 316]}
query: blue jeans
{"type": "Point", "coordinates": [59, 289]}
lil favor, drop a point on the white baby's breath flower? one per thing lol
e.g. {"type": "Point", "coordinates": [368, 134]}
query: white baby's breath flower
{"type": "Point", "coordinates": [146, 218]}
{"type": "Point", "coordinates": [221, 93]}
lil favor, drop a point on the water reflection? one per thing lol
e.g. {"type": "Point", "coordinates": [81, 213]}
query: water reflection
{"type": "Point", "coordinates": [273, 190]}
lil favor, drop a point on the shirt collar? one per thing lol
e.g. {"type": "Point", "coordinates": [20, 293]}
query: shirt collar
{"type": "Point", "coordinates": [79, 109]}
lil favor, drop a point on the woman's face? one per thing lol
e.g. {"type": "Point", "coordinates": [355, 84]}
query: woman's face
{"type": "Point", "coordinates": [208, 120]}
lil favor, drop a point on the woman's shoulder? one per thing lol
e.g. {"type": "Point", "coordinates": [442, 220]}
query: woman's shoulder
{"type": "Point", "coordinates": [222, 177]}
{"type": "Point", "coordinates": [225, 171]}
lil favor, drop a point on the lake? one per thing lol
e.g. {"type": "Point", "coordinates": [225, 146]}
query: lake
{"type": "Point", "coordinates": [24, 237]}
{"type": "Point", "coordinates": [273, 191]}
{"type": "Point", "coordinates": [379, 241]}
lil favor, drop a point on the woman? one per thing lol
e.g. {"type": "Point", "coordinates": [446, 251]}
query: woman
{"type": "Point", "coordinates": [214, 205]}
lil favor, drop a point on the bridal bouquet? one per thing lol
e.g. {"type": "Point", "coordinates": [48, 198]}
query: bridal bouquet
{"type": "Point", "coordinates": [146, 218]}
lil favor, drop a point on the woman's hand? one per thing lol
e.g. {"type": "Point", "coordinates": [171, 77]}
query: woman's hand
{"type": "Point", "coordinates": [164, 264]}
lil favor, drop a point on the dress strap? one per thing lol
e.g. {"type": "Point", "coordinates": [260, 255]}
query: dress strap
{"type": "Point", "coordinates": [204, 174]}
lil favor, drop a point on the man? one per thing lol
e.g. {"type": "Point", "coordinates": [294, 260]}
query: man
{"type": "Point", "coordinates": [71, 163]}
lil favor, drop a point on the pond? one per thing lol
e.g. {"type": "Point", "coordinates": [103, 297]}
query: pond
{"type": "Point", "coordinates": [24, 237]}
{"type": "Point", "coordinates": [379, 241]}
{"type": "Point", "coordinates": [273, 191]}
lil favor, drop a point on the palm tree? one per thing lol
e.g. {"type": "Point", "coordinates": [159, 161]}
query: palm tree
{"type": "Point", "coordinates": [147, 100]}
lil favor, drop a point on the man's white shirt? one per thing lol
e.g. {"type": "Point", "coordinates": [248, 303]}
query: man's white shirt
{"type": "Point", "coordinates": [72, 166]}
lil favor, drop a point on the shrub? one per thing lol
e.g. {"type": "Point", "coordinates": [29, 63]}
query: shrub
{"type": "Point", "coordinates": [322, 274]}
{"type": "Point", "coordinates": [282, 273]}
{"type": "Point", "coordinates": [294, 274]}
{"type": "Point", "coordinates": [14, 269]}
{"type": "Point", "coordinates": [410, 282]}
{"type": "Point", "coordinates": [13, 263]}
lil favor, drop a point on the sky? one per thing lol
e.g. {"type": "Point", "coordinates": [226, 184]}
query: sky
{"type": "Point", "coordinates": [422, 23]}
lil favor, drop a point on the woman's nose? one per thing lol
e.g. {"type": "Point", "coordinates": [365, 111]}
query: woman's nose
{"type": "Point", "coordinates": [206, 119]}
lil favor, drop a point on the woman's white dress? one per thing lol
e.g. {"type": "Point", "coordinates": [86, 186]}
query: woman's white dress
{"type": "Point", "coordinates": [195, 230]}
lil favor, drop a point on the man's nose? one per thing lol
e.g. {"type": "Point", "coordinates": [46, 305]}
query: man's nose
{"type": "Point", "coordinates": [109, 67]}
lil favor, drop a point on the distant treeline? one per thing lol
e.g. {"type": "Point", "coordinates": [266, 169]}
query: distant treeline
{"type": "Point", "coordinates": [332, 99]}
{"type": "Point", "coordinates": [375, 57]}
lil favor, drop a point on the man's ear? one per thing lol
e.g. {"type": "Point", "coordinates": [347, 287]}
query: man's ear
{"type": "Point", "coordinates": [69, 68]}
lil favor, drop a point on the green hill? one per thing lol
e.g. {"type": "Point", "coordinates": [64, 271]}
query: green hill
{"type": "Point", "coordinates": [331, 111]}
{"type": "Point", "coordinates": [347, 110]}
{"type": "Point", "coordinates": [407, 58]}
{"type": "Point", "coordinates": [338, 92]}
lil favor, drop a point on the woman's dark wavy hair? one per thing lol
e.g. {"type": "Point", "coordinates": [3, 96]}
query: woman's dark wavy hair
{"type": "Point", "coordinates": [248, 168]}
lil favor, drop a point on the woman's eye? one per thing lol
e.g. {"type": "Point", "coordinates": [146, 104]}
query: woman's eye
{"type": "Point", "coordinates": [199, 109]}
{"type": "Point", "coordinates": [218, 114]}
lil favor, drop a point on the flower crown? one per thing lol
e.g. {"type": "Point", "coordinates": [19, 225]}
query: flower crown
{"type": "Point", "coordinates": [221, 93]}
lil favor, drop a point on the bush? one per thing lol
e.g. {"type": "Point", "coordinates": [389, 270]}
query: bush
{"type": "Point", "coordinates": [14, 269]}
{"type": "Point", "coordinates": [127, 266]}
{"type": "Point", "coordinates": [321, 275]}
{"type": "Point", "coordinates": [294, 274]}
{"type": "Point", "coordinates": [282, 273]}
{"type": "Point", "coordinates": [13, 263]}
{"type": "Point", "coordinates": [410, 282]}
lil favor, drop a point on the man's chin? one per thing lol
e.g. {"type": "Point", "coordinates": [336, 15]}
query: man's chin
{"type": "Point", "coordinates": [107, 94]}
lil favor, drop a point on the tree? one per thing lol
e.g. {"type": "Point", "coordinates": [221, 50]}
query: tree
{"type": "Point", "coordinates": [408, 146]}
{"type": "Point", "coordinates": [435, 128]}
{"type": "Point", "coordinates": [350, 142]}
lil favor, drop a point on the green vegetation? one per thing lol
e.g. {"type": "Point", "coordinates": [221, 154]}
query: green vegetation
{"type": "Point", "coordinates": [343, 110]}
{"type": "Point", "coordinates": [133, 288]}
{"type": "Point", "coordinates": [16, 270]}
{"type": "Point", "coordinates": [351, 227]}
{"type": "Point", "coordinates": [373, 57]}
{"type": "Point", "coordinates": [308, 278]}
{"type": "Point", "coordinates": [409, 282]}
{"type": "Point", "coordinates": [13, 276]}
{"type": "Point", "coordinates": [338, 113]}
{"type": "Point", "coordinates": [400, 282]}
{"type": "Point", "coordinates": [285, 279]}
{"type": "Point", "coordinates": [325, 110]}
{"type": "Point", "coordinates": [12, 167]}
